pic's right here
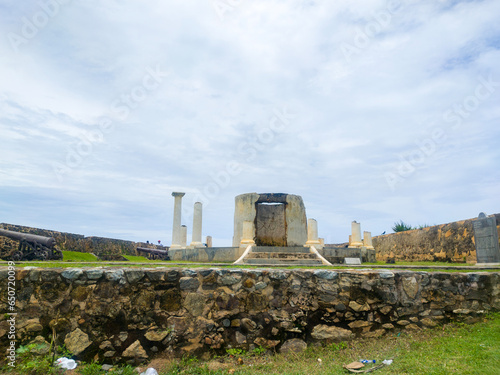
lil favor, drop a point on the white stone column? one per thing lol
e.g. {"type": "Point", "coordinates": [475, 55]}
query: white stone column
{"type": "Point", "coordinates": [312, 234]}
{"type": "Point", "coordinates": [184, 234]}
{"type": "Point", "coordinates": [356, 235]}
{"type": "Point", "coordinates": [197, 222]}
{"type": "Point", "coordinates": [176, 226]}
{"type": "Point", "coordinates": [209, 241]}
{"type": "Point", "coordinates": [367, 240]}
{"type": "Point", "coordinates": [248, 234]}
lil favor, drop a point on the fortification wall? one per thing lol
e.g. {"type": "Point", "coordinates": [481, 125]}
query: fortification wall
{"type": "Point", "coordinates": [133, 314]}
{"type": "Point", "coordinates": [445, 242]}
{"type": "Point", "coordinates": [74, 242]}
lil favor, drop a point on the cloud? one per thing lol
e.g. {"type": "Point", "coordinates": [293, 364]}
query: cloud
{"type": "Point", "coordinates": [377, 89]}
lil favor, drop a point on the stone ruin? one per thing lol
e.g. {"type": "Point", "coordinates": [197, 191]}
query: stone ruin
{"type": "Point", "coordinates": [269, 220]}
{"type": "Point", "coordinates": [269, 229]}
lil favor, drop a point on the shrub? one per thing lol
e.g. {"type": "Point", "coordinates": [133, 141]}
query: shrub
{"type": "Point", "coordinates": [401, 226]}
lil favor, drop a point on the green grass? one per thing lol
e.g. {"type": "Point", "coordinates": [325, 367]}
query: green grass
{"type": "Point", "coordinates": [76, 256]}
{"type": "Point", "coordinates": [455, 348]}
{"type": "Point", "coordinates": [137, 258]}
{"type": "Point", "coordinates": [452, 349]}
{"type": "Point", "coordinates": [420, 263]}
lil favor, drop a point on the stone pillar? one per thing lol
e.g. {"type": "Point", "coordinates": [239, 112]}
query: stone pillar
{"type": "Point", "coordinates": [197, 220]}
{"type": "Point", "coordinates": [184, 234]}
{"type": "Point", "coordinates": [248, 234]}
{"type": "Point", "coordinates": [486, 239]}
{"type": "Point", "coordinates": [367, 240]}
{"type": "Point", "coordinates": [176, 227]}
{"type": "Point", "coordinates": [356, 235]}
{"type": "Point", "coordinates": [312, 234]}
{"type": "Point", "coordinates": [209, 241]}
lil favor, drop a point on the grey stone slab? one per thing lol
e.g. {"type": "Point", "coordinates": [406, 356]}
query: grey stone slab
{"type": "Point", "coordinates": [486, 239]}
{"type": "Point", "coordinates": [353, 261]}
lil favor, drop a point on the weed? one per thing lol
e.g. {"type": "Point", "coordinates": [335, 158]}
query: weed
{"type": "Point", "coordinates": [401, 227]}
{"type": "Point", "coordinates": [235, 352]}
{"type": "Point", "coordinates": [337, 347]}
{"type": "Point", "coordinates": [258, 350]}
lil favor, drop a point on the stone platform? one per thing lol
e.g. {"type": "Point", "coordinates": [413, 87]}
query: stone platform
{"type": "Point", "coordinates": [281, 256]}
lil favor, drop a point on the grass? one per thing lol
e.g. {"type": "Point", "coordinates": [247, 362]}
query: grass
{"type": "Point", "coordinates": [423, 266]}
{"type": "Point", "coordinates": [420, 263]}
{"type": "Point", "coordinates": [76, 256]}
{"type": "Point", "coordinates": [137, 258]}
{"type": "Point", "coordinates": [452, 349]}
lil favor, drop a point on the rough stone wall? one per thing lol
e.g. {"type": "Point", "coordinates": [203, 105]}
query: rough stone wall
{"type": "Point", "coordinates": [73, 242]}
{"type": "Point", "coordinates": [445, 242]}
{"type": "Point", "coordinates": [207, 254]}
{"type": "Point", "coordinates": [132, 314]}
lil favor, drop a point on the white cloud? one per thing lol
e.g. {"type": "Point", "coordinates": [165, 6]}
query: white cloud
{"type": "Point", "coordinates": [358, 116]}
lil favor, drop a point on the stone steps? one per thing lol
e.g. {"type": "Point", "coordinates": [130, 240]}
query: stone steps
{"type": "Point", "coordinates": [270, 255]}
{"type": "Point", "coordinates": [281, 249]}
{"type": "Point", "coordinates": [283, 262]}
{"type": "Point", "coordinates": [282, 256]}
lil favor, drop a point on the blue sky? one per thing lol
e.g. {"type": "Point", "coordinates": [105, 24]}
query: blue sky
{"type": "Point", "coordinates": [371, 110]}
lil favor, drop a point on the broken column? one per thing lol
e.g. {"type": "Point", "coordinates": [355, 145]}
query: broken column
{"type": "Point", "coordinates": [312, 234]}
{"type": "Point", "coordinates": [184, 235]}
{"type": "Point", "coordinates": [176, 226]}
{"type": "Point", "coordinates": [356, 235]}
{"type": "Point", "coordinates": [197, 221]}
{"type": "Point", "coordinates": [209, 241]}
{"type": "Point", "coordinates": [248, 234]}
{"type": "Point", "coordinates": [367, 240]}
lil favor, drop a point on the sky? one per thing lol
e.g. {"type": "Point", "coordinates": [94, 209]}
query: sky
{"type": "Point", "coordinates": [372, 110]}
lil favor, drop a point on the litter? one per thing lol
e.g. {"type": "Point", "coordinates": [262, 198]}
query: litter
{"type": "Point", "coordinates": [66, 363]}
{"type": "Point", "coordinates": [357, 366]}
{"type": "Point", "coordinates": [150, 371]}
{"type": "Point", "coordinates": [354, 366]}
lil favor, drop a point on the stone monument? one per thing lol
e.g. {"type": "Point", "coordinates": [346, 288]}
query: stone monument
{"type": "Point", "coordinates": [197, 224]}
{"type": "Point", "coordinates": [486, 239]}
{"type": "Point", "coordinates": [269, 220]}
{"type": "Point", "coordinates": [355, 239]}
{"type": "Point", "coordinates": [176, 227]}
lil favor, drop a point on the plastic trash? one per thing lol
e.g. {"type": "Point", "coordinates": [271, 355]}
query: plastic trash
{"type": "Point", "coordinates": [387, 362]}
{"type": "Point", "coordinates": [150, 371]}
{"type": "Point", "coordinates": [66, 363]}
{"type": "Point", "coordinates": [365, 361]}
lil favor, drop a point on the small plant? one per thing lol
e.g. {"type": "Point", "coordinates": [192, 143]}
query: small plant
{"type": "Point", "coordinates": [91, 369]}
{"type": "Point", "coordinates": [258, 350]}
{"type": "Point", "coordinates": [235, 352]}
{"type": "Point", "coordinates": [337, 347]}
{"type": "Point", "coordinates": [123, 370]}
{"type": "Point", "coordinates": [401, 226]}
{"type": "Point", "coordinates": [422, 226]}
{"type": "Point", "coordinates": [31, 363]}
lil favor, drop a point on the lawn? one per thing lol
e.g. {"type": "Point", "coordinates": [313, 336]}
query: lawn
{"type": "Point", "coordinates": [76, 256]}
{"type": "Point", "coordinates": [137, 258]}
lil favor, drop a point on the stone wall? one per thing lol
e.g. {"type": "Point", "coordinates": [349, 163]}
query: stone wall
{"type": "Point", "coordinates": [336, 255]}
{"type": "Point", "coordinates": [445, 242]}
{"type": "Point", "coordinates": [204, 254]}
{"type": "Point", "coordinates": [73, 242]}
{"type": "Point", "coordinates": [132, 314]}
